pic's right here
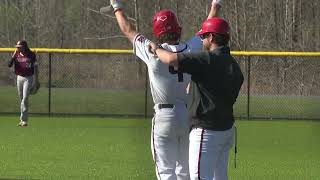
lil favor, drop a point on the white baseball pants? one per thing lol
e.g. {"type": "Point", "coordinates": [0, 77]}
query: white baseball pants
{"type": "Point", "coordinates": [170, 143]}
{"type": "Point", "coordinates": [209, 153]}
{"type": "Point", "coordinates": [24, 84]}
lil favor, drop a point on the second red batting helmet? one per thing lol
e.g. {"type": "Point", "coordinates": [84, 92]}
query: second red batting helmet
{"type": "Point", "coordinates": [165, 21]}
{"type": "Point", "coordinates": [215, 25]}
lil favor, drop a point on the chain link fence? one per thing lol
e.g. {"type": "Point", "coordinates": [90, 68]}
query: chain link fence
{"type": "Point", "coordinates": [285, 87]}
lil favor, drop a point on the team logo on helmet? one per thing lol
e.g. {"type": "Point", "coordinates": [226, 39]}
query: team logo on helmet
{"type": "Point", "coordinates": [162, 18]}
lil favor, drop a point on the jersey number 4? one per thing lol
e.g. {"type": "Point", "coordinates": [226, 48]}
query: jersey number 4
{"type": "Point", "coordinates": [180, 74]}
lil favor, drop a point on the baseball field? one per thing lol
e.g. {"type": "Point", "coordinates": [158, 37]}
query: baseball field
{"type": "Point", "coordinates": [97, 101]}
{"type": "Point", "coordinates": [119, 149]}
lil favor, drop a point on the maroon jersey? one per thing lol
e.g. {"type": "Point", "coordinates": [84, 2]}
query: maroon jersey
{"type": "Point", "coordinates": [24, 64]}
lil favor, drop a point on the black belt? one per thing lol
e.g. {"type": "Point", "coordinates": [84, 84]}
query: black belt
{"type": "Point", "coordinates": [160, 106]}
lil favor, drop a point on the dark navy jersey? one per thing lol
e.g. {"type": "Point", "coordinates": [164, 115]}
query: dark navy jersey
{"type": "Point", "coordinates": [216, 79]}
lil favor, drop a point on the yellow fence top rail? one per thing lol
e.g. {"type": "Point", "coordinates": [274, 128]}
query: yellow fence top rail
{"type": "Point", "coordinates": [269, 53]}
{"type": "Point", "coordinates": [74, 51]}
{"type": "Point", "coordinates": [127, 51]}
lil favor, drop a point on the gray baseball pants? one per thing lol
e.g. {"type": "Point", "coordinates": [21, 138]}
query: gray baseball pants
{"type": "Point", "coordinates": [24, 84]}
{"type": "Point", "coordinates": [170, 142]}
{"type": "Point", "coordinates": [209, 153]}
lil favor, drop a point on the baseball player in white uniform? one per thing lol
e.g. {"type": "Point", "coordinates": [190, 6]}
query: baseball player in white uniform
{"type": "Point", "coordinates": [170, 126]}
{"type": "Point", "coordinates": [216, 80]}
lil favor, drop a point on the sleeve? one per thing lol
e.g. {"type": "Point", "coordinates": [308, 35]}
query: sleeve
{"type": "Point", "coordinates": [10, 62]}
{"type": "Point", "coordinates": [195, 43]}
{"type": "Point", "coordinates": [34, 59]}
{"type": "Point", "coordinates": [141, 48]}
{"type": "Point", "coordinates": [237, 81]}
{"type": "Point", "coordinates": [193, 63]}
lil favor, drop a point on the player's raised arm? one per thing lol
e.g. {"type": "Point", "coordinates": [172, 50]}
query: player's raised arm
{"type": "Point", "coordinates": [215, 9]}
{"type": "Point", "coordinates": [195, 42]}
{"type": "Point", "coordinates": [122, 20]}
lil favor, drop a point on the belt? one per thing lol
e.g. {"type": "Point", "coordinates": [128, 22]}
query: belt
{"type": "Point", "coordinates": [161, 106]}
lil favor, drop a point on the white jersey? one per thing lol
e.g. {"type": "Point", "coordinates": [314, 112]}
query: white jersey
{"type": "Point", "coordinates": [165, 87]}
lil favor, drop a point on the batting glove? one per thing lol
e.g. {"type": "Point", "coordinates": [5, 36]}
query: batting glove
{"type": "Point", "coordinates": [116, 4]}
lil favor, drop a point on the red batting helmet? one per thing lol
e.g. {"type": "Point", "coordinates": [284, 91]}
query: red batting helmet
{"type": "Point", "coordinates": [215, 25]}
{"type": "Point", "coordinates": [165, 21]}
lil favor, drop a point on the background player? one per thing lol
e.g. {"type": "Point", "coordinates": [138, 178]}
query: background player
{"type": "Point", "coordinates": [170, 130]}
{"type": "Point", "coordinates": [26, 69]}
{"type": "Point", "coordinates": [216, 79]}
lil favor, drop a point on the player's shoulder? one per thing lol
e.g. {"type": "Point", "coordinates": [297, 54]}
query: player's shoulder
{"type": "Point", "coordinates": [178, 48]}
{"type": "Point", "coordinates": [30, 54]}
{"type": "Point", "coordinates": [140, 38]}
{"type": "Point", "coordinates": [195, 43]}
{"type": "Point", "coordinates": [141, 49]}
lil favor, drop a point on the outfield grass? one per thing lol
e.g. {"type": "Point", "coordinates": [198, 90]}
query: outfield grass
{"type": "Point", "coordinates": [102, 101]}
{"type": "Point", "coordinates": [75, 148]}
{"type": "Point", "coordinates": [98, 148]}
{"type": "Point", "coordinates": [77, 100]}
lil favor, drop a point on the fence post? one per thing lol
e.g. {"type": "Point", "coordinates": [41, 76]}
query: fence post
{"type": "Point", "coordinates": [248, 86]}
{"type": "Point", "coordinates": [49, 86]}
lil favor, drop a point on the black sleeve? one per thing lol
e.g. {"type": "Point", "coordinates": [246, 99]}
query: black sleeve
{"type": "Point", "coordinates": [193, 63]}
{"type": "Point", "coordinates": [10, 62]}
{"type": "Point", "coordinates": [238, 80]}
{"type": "Point", "coordinates": [34, 58]}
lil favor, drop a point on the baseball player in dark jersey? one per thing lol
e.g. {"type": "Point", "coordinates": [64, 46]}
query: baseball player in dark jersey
{"type": "Point", "coordinates": [170, 127]}
{"type": "Point", "coordinates": [26, 69]}
{"type": "Point", "coordinates": [216, 80]}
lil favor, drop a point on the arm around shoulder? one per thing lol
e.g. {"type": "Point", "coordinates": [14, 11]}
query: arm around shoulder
{"type": "Point", "coordinates": [167, 57]}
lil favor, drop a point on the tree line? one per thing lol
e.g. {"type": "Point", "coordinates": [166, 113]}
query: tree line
{"type": "Point", "coordinates": [256, 25]}
{"type": "Point", "coordinates": [287, 25]}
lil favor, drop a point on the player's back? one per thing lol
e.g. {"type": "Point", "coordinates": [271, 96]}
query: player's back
{"type": "Point", "coordinates": [166, 88]}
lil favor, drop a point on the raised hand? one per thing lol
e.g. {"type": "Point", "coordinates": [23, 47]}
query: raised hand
{"type": "Point", "coordinates": [217, 2]}
{"type": "Point", "coordinates": [116, 4]}
{"type": "Point", "coordinates": [15, 53]}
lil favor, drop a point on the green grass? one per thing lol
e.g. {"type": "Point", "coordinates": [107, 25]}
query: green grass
{"type": "Point", "coordinates": [278, 150]}
{"type": "Point", "coordinates": [73, 100]}
{"type": "Point", "coordinates": [75, 148]}
{"type": "Point", "coordinates": [102, 101]}
{"type": "Point", "coordinates": [279, 106]}
{"type": "Point", "coordinates": [97, 148]}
